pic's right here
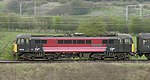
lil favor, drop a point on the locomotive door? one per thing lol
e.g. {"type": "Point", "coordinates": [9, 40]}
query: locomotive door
{"type": "Point", "coordinates": [23, 45]}
{"type": "Point", "coordinates": [127, 45]}
{"type": "Point", "coordinates": [120, 45]}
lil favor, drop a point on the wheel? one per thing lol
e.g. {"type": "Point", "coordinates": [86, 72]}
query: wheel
{"type": "Point", "coordinates": [127, 58]}
{"type": "Point", "coordinates": [116, 58]}
{"type": "Point", "coordinates": [122, 56]}
{"type": "Point", "coordinates": [97, 56]}
{"type": "Point", "coordinates": [28, 57]}
{"type": "Point", "coordinates": [45, 57]}
{"type": "Point", "coordinates": [147, 56]}
{"type": "Point", "coordinates": [32, 58]}
{"type": "Point", "coordinates": [50, 58]}
{"type": "Point", "coordinates": [24, 57]}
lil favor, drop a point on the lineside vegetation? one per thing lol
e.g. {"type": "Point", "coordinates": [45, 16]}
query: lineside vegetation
{"type": "Point", "coordinates": [75, 71]}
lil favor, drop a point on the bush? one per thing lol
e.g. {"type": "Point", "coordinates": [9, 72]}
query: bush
{"type": "Point", "coordinates": [140, 25]}
{"type": "Point", "coordinates": [92, 26]}
{"type": "Point", "coordinates": [116, 24]}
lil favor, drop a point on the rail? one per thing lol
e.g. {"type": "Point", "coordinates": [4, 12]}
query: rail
{"type": "Point", "coordinates": [74, 61]}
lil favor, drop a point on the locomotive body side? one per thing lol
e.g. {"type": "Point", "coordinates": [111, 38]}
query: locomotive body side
{"type": "Point", "coordinates": [31, 47]}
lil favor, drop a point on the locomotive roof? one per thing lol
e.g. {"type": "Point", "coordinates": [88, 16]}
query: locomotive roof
{"type": "Point", "coordinates": [122, 36]}
{"type": "Point", "coordinates": [26, 36]}
{"type": "Point", "coordinates": [144, 35]}
{"type": "Point", "coordinates": [74, 37]}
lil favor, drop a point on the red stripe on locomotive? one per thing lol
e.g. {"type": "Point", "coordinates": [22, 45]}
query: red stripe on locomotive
{"type": "Point", "coordinates": [74, 49]}
{"type": "Point", "coordinates": [53, 46]}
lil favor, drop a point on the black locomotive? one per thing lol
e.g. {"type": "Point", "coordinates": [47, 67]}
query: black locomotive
{"type": "Point", "coordinates": [120, 46]}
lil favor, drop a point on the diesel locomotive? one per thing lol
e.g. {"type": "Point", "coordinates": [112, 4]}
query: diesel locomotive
{"type": "Point", "coordinates": [32, 47]}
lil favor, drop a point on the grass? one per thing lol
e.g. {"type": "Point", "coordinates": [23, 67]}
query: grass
{"type": "Point", "coordinates": [75, 71]}
{"type": "Point", "coordinates": [6, 42]}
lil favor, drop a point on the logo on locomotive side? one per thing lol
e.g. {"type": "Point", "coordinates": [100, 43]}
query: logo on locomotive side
{"type": "Point", "coordinates": [36, 48]}
{"type": "Point", "coordinates": [112, 48]}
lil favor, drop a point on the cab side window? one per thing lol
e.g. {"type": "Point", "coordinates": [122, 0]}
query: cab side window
{"type": "Point", "coordinates": [121, 41]}
{"type": "Point", "coordinates": [27, 41]}
{"type": "Point", "coordinates": [22, 41]}
{"type": "Point", "coordinates": [127, 41]}
{"type": "Point", "coordinates": [18, 41]}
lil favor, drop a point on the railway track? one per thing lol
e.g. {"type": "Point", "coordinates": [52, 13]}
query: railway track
{"type": "Point", "coordinates": [73, 61]}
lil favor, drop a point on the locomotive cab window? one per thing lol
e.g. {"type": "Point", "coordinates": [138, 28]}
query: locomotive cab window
{"type": "Point", "coordinates": [22, 41]}
{"type": "Point", "coordinates": [27, 41]}
{"type": "Point", "coordinates": [18, 41]}
{"type": "Point", "coordinates": [127, 41]}
{"type": "Point", "coordinates": [121, 41]}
